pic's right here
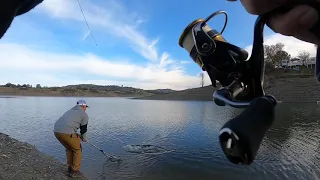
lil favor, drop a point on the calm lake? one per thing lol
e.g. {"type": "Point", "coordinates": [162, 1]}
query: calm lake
{"type": "Point", "coordinates": [290, 150]}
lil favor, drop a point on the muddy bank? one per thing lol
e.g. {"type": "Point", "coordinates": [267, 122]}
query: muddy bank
{"type": "Point", "coordinates": [23, 161]}
{"type": "Point", "coordinates": [196, 94]}
{"type": "Point", "coordinates": [297, 89]}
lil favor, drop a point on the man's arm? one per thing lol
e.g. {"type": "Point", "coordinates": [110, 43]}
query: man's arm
{"type": "Point", "coordinates": [83, 127]}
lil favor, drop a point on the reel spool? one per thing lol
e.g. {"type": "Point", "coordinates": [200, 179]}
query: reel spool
{"type": "Point", "coordinates": [241, 79]}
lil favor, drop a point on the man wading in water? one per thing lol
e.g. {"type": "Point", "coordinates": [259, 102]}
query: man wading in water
{"type": "Point", "coordinates": [65, 130]}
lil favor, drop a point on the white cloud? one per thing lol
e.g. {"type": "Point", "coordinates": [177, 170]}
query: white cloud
{"type": "Point", "coordinates": [20, 60]}
{"type": "Point", "coordinates": [34, 64]}
{"type": "Point", "coordinates": [114, 19]}
{"type": "Point", "coordinates": [292, 45]}
{"type": "Point", "coordinates": [31, 65]}
{"type": "Point", "coordinates": [186, 62]}
{"type": "Point", "coordinates": [25, 64]}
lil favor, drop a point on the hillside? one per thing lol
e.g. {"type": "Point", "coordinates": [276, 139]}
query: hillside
{"type": "Point", "coordinates": [84, 90]}
{"type": "Point", "coordinates": [286, 87]}
{"type": "Point", "coordinates": [196, 94]}
{"type": "Point", "coordinates": [161, 91]}
{"type": "Point", "coordinates": [303, 89]}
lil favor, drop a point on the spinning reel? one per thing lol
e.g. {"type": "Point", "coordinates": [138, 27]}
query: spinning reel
{"type": "Point", "coordinates": [241, 79]}
{"type": "Point", "coordinates": [241, 82]}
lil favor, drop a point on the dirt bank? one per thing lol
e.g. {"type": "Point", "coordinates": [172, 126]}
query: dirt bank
{"type": "Point", "coordinates": [20, 160]}
{"type": "Point", "coordinates": [196, 94]}
{"type": "Point", "coordinates": [297, 89]}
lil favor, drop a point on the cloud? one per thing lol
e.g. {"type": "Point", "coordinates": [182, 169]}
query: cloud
{"type": "Point", "coordinates": [292, 45]}
{"type": "Point", "coordinates": [115, 20]}
{"type": "Point", "coordinates": [36, 64]}
{"type": "Point", "coordinates": [25, 64]}
{"type": "Point", "coordinates": [21, 60]}
{"type": "Point", "coordinates": [22, 63]}
{"type": "Point", "coordinates": [186, 62]}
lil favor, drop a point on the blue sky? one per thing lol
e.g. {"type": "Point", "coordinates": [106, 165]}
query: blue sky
{"type": "Point", "coordinates": [137, 42]}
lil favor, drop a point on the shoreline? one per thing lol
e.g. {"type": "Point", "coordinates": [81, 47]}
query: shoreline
{"type": "Point", "coordinates": [295, 89]}
{"type": "Point", "coordinates": [61, 95]}
{"type": "Point", "coordinates": [20, 160]}
{"type": "Point", "coordinates": [286, 90]}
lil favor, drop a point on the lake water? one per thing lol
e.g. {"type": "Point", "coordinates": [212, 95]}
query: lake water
{"type": "Point", "coordinates": [290, 150]}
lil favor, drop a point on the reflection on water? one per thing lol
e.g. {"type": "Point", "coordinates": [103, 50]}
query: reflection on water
{"type": "Point", "coordinates": [189, 130]}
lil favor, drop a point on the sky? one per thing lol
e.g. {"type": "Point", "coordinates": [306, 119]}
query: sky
{"type": "Point", "coordinates": [131, 43]}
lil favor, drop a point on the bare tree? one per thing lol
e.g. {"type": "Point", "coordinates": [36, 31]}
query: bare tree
{"type": "Point", "coordinates": [202, 78]}
{"type": "Point", "coordinates": [274, 54]}
{"type": "Point", "coordinates": [304, 56]}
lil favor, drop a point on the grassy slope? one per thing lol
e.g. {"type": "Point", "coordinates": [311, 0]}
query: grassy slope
{"type": "Point", "coordinates": [6, 91]}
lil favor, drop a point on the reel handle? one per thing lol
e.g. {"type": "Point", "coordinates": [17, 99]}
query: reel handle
{"type": "Point", "coordinates": [240, 137]}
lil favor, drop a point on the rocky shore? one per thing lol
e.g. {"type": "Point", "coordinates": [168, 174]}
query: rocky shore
{"type": "Point", "coordinates": [20, 160]}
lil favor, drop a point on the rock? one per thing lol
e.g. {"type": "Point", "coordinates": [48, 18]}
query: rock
{"type": "Point", "coordinates": [25, 147]}
{"type": "Point", "coordinates": [4, 156]}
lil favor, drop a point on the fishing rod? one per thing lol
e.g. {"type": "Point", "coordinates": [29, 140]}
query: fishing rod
{"type": "Point", "coordinates": [111, 157]}
{"type": "Point", "coordinates": [241, 81]}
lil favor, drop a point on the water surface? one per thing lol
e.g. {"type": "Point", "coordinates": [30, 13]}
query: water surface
{"type": "Point", "coordinates": [190, 129]}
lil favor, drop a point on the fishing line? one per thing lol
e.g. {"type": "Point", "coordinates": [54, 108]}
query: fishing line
{"type": "Point", "coordinates": [87, 23]}
{"type": "Point", "coordinates": [111, 157]}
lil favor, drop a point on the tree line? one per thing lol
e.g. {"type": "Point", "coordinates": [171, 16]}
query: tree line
{"type": "Point", "coordinates": [91, 87]}
{"type": "Point", "coordinates": [274, 54]}
{"type": "Point", "coordinates": [21, 86]}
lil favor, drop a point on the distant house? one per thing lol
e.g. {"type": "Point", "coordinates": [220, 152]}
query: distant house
{"type": "Point", "coordinates": [297, 63]}
{"type": "Point", "coordinates": [284, 63]}
{"type": "Point", "coordinates": [310, 62]}
{"type": "Point", "coordinates": [292, 63]}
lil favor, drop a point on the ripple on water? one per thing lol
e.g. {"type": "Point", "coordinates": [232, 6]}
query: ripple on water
{"type": "Point", "coordinates": [293, 149]}
{"type": "Point", "coordinates": [290, 149]}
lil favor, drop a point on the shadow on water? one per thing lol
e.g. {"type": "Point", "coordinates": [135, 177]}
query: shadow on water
{"type": "Point", "coordinates": [290, 149]}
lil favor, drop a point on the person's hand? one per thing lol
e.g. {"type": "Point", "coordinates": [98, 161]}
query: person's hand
{"type": "Point", "coordinates": [83, 138]}
{"type": "Point", "coordinates": [295, 23]}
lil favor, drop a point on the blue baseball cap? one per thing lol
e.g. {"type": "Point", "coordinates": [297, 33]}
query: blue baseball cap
{"type": "Point", "coordinates": [82, 103]}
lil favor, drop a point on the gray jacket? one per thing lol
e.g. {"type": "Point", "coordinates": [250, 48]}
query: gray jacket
{"type": "Point", "coordinates": [71, 121]}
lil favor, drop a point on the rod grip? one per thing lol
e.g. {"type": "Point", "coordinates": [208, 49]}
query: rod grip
{"type": "Point", "coordinates": [240, 137]}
